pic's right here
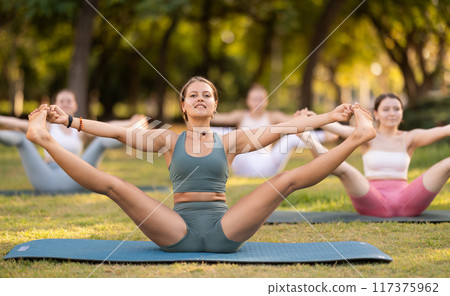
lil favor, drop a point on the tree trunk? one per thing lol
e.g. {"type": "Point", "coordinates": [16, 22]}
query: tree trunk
{"type": "Point", "coordinates": [336, 86]}
{"type": "Point", "coordinates": [133, 82]}
{"type": "Point", "coordinates": [100, 71]}
{"type": "Point", "coordinates": [78, 70]}
{"type": "Point", "coordinates": [15, 78]}
{"type": "Point", "coordinates": [411, 87]}
{"type": "Point", "coordinates": [265, 50]}
{"type": "Point", "coordinates": [162, 67]}
{"type": "Point", "coordinates": [205, 39]}
{"type": "Point", "coordinates": [329, 14]}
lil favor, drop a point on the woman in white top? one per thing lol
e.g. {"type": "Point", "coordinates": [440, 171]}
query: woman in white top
{"type": "Point", "coordinates": [268, 161]}
{"type": "Point", "coordinates": [384, 190]}
{"type": "Point", "coordinates": [44, 174]}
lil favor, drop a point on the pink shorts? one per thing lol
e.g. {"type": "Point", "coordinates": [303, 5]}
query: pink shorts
{"type": "Point", "coordinates": [394, 198]}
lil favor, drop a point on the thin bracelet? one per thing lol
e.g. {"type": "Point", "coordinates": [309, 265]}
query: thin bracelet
{"type": "Point", "coordinates": [80, 127]}
{"type": "Point", "coordinates": [70, 121]}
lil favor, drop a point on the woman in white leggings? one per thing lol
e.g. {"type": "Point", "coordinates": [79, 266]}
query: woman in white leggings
{"type": "Point", "coordinates": [44, 174]}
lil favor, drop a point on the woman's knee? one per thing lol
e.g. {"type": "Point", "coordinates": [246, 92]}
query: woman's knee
{"type": "Point", "coordinates": [293, 180]}
{"type": "Point", "coordinates": [283, 182]}
{"type": "Point", "coordinates": [444, 166]}
{"type": "Point", "coordinates": [11, 138]}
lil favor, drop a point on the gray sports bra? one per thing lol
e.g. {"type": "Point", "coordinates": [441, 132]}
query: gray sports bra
{"type": "Point", "coordinates": [208, 173]}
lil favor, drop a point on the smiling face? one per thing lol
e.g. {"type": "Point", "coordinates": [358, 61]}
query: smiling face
{"type": "Point", "coordinates": [66, 100]}
{"type": "Point", "coordinates": [199, 100]}
{"type": "Point", "coordinates": [389, 112]}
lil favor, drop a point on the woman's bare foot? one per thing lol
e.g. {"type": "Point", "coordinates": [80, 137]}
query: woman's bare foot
{"type": "Point", "coordinates": [37, 130]}
{"type": "Point", "coordinates": [303, 114]}
{"type": "Point", "coordinates": [37, 110]}
{"type": "Point", "coordinates": [364, 130]}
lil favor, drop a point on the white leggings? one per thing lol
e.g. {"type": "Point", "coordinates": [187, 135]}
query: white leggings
{"type": "Point", "coordinates": [267, 162]}
{"type": "Point", "coordinates": [49, 177]}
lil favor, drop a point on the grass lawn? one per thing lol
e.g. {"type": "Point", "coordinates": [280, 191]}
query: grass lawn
{"type": "Point", "coordinates": [418, 250]}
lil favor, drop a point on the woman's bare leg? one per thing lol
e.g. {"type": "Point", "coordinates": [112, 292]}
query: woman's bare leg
{"type": "Point", "coordinates": [355, 183]}
{"type": "Point", "coordinates": [249, 213]}
{"type": "Point", "coordinates": [158, 222]}
{"type": "Point", "coordinates": [436, 176]}
{"type": "Point", "coordinates": [414, 199]}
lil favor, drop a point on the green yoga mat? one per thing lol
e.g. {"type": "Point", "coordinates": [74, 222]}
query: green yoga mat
{"type": "Point", "coordinates": [329, 217]}
{"type": "Point", "coordinates": [146, 251]}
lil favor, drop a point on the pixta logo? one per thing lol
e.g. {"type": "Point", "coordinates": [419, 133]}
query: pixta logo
{"type": "Point", "coordinates": [145, 137]}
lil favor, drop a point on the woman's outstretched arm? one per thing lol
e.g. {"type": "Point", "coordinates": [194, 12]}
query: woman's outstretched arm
{"type": "Point", "coordinates": [14, 123]}
{"type": "Point", "coordinates": [341, 130]}
{"type": "Point", "coordinates": [335, 128]}
{"type": "Point", "coordinates": [241, 140]}
{"type": "Point", "coordinates": [422, 137]}
{"type": "Point", "coordinates": [140, 138]}
{"type": "Point", "coordinates": [228, 119]}
{"type": "Point", "coordinates": [123, 123]}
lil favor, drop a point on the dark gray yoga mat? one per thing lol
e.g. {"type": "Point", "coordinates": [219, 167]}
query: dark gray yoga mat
{"type": "Point", "coordinates": [328, 217]}
{"type": "Point", "coordinates": [146, 251]}
{"type": "Point", "coordinates": [82, 191]}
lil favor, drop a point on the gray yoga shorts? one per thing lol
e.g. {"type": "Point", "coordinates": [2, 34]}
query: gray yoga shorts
{"type": "Point", "coordinates": [204, 228]}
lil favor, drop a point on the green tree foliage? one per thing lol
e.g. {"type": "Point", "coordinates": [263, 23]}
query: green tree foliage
{"type": "Point", "coordinates": [234, 43]}
{"type": "Point", "coordinates": [415, 35]}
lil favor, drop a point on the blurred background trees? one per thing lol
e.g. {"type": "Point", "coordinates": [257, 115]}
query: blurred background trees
{"type": "Point", "coordinates": [384, 46]}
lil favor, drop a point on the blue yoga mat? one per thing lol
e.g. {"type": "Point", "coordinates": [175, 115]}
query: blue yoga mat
{"type": "Point", "coordinates": [146, 251]}
{"type": "Point", "coordinates": [437, 216]}
{"type": "Point", "coordinates": [81, 191]}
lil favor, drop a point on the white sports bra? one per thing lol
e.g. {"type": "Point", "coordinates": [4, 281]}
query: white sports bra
{"type": "Point", "coordinates": [252, 123]}
{"type": "Point", "coordinates": [71, 142]}
{"type": "Point", "coordinates": [380, 164]}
